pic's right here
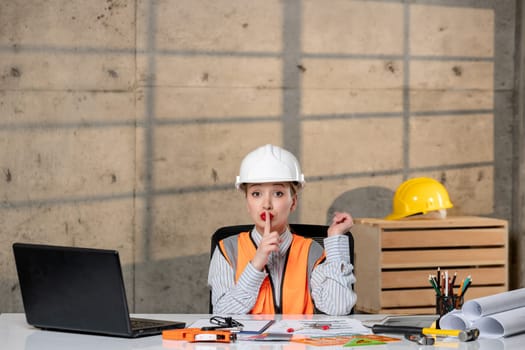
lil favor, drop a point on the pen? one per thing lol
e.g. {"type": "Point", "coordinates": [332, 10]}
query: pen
{"type": "Point", "coordinates": [324, 327]}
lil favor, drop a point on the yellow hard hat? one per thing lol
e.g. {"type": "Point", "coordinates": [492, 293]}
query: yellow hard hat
{"type": "Point", "coordinates": [419, 196]}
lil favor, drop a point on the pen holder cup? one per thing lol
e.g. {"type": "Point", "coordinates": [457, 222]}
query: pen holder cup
{"type": "Point", "coordinates": [445, 304]}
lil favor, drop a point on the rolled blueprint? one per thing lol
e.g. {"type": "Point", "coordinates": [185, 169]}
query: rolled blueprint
{"type": "Point", "coordinates": [476, 308]}
{"type": "Point", "coordinates": [502, 324]}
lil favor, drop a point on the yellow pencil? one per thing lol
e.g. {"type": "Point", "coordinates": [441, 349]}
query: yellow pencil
{"type": "Point", "coordinates": [461, 288]}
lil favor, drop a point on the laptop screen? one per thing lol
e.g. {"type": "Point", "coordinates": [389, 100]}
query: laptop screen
{"type": "Point", "coordinates": [77, 289]}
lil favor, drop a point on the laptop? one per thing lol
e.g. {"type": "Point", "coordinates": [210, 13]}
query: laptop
{"type": "Point", "coordinates": [78, 290]}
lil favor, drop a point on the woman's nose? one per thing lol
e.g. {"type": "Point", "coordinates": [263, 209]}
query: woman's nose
{"type": "Point", "coordinates": [267, 205]}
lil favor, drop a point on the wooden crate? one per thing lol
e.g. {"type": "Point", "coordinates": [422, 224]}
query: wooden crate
{"type": "Point", "coordinates": [394, 258]}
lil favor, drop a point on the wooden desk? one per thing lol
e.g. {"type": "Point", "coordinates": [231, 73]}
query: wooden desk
{"type": "Point", "coordinates": [16, 334]}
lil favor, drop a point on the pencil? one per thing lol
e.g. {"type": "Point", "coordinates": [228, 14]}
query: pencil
{"type": "Point", "coordinates": [446, 283]}
{"type": "Point", "coordinates": [466, 287]}
{"type": "Point", "coordinates": [432, 283]}
{"type": "Point", "coordinates": [435, 281]}
{"type": "Point", "coordinates": [467, 282]}
{"type": "Point", "coordinates": [460, 290]}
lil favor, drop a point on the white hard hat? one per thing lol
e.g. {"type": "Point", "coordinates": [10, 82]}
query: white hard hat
{"type": "Point", "coordinates": [270, 163]}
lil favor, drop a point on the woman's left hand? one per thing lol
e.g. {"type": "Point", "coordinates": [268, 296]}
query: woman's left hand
{"type": "Point", "coordinates": [341, 223]}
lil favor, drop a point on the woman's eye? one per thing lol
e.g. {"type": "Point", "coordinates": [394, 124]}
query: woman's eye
{"type": "Point", "coordinates": [256, 194]}
{"type": "Point", "coordinates": [279, 194]}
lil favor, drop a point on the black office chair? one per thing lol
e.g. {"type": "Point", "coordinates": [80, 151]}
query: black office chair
{"type": "Point", "coordinates": [315, 232]}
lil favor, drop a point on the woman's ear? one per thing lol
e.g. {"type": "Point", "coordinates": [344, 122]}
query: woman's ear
{"type": "Point", "coordinates": [294, 203]}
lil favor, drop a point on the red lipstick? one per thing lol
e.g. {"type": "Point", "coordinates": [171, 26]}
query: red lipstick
{"type": "Point", "coordinates": [263, 216]}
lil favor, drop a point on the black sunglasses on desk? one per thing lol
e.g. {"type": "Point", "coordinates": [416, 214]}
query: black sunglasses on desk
{"type": "Point", "coordinates": [222, 322]}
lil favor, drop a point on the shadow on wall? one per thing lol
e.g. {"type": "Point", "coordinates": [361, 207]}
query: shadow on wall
{"type": "Point", "coordinates": [176, 285]}
{"type": "Point", "coordinates": [364, 202]}
{"type": "Point", "coordinates": [179, 285]}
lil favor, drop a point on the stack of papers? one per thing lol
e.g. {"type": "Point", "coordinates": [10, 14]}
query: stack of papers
{"type": "Point", "coordinates": [319, 327]}
{"type": "Point", "coordinates": [318, 331]}
{"type": "Point", "coordinates": [495, 316]}
{"type": "Point", "coordinates": [322, 332]}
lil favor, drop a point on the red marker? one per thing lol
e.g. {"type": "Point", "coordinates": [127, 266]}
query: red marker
{"type": "Point", "coordinates": [291, 330]}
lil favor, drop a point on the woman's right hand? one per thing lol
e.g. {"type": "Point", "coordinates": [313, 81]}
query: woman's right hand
{"type": "Point", "coordinates": [269, 243]}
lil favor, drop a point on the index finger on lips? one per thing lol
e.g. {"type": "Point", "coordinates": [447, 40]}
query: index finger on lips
{"type": "Point", "coordinates": [267, 227]}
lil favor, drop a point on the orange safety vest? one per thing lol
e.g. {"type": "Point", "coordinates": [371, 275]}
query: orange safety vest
{"type": "Point", "coordinates": [295, 290]}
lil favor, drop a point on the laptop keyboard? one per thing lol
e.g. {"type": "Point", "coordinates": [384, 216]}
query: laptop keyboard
{"type": "Point", "coordinates": [137, 324]}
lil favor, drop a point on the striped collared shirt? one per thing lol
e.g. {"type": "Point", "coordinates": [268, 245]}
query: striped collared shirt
{"type": "Point", "coordinates": [331, 282]}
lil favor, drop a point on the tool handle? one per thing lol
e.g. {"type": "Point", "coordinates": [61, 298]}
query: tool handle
{"type": "Point", "coordinates": [378, 328]}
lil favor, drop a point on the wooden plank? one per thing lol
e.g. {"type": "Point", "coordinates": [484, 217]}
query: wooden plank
{"type": "Point", "coordinates": [419, 278]}
{"type": "Point", "coordinates": [451, 221]}
{"type": "Point", "coordinates": [408, 311]}
{"type": "Point", "coordinates": [443, 257]}
{"type": "Point", "coordinates": [427, 297]}
{"type": "Point", "coordinates": [367, 269]}
{"type": "Point", "coordinates": [398, 311]}
{"type": "Point", "coordinates": [444, 238]}
{"type": "Point", "coordinates": [362, 309]}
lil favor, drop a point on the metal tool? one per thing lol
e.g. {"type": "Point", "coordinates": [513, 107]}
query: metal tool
{"type": "Point", "coordinates": [462, 335]}
{"type": "Point", "coordinates": [420, 339]}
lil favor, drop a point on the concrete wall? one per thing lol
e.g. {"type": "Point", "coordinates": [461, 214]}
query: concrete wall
{"type": "Point", "coordinates": [123, 123]}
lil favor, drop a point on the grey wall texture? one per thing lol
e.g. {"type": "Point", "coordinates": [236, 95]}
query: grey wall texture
{"type": "Point", "coordinates": [123, 123]}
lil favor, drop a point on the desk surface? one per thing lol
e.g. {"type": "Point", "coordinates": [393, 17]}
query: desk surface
{"type": "Point", "coordinates": [16, 334]}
